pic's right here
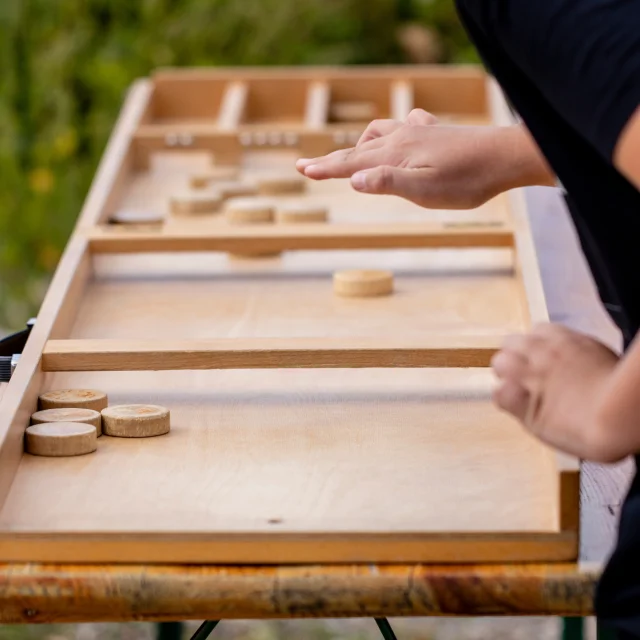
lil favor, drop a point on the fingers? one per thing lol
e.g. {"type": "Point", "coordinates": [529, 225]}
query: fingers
{"type": "Point", "coordinates": [420, 116]}
{"type": "Point", "coordinates": [377, 129]}
{"type": "Point", "coordinates": [514, 399]}
{"type": "Point", "coordinates": [341, 155]}
{"type": "Point", "coordinates": [406, 183]}
{"type": "Point", "coordinates": [344, 163]}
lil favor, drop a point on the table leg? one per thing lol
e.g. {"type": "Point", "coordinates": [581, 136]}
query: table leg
{"type": "Point", "coordinates": [205, 629]}
{"type": "Point", "coordinates": [385, 629]}
{"type": "Point", "coordinates": [572, 628]}
{"type": "Point", "coordinates": [170, 631]}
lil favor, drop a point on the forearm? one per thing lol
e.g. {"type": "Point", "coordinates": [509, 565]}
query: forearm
{"type": "Point", "coordinates": [618, 414]}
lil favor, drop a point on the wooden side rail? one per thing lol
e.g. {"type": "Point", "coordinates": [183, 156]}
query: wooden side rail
{"type": "Point", "coordinates": [293, 237]}
{"type": "Point", "coordinates": [265, 353]}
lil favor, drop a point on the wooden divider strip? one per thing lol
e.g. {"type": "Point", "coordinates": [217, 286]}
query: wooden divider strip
{"type": "Point", "coordinates": [265, 353]}
{"type": "Point", "coordinates": [292, 237]}
{"type": "Point", "coordinates": [233, 106]}
{"type": "Point", "coordinates": [317, 107]}
{"type": "Point", "coordinates": [401, 99]}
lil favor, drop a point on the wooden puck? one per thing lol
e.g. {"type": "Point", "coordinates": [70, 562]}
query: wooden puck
{"type": "Point", "coordinates": [136, 217]}
{"type": "Point", "coordinates": [301, 212]}
{"type": "Point", "coordinates": [86, 416]}
{"type": "Point", "coordinates": [215, 174]}
{"type": "Point", "coordinates": [135, 420]}
{"type": "Point", "coordinates": [281, 184]}
{"type": "Point", "coordinates": [353, 111]}
{"type": "Point", "coordinates": [235, 189]}
{"type": "Point", "coordinates": [74, 399]}
{"type": "Point", "coordinates": [60, 439]}
{"type": "Point", "coordinates": [362, 284]}
{"type": "Point", "coordinates": [195, 203]}
{"type": "Point", "coordinates": [249, 211]}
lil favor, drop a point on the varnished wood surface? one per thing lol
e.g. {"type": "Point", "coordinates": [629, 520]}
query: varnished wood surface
{"type": "Point", "coordinates": [50, 593]}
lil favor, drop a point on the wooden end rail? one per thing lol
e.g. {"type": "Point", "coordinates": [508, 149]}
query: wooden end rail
{"type": "Point", "coordinates": [265, 353]}
{"type": "Point", "coordinates": [311, 237]}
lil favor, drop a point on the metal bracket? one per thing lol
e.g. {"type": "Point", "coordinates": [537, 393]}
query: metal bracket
{"type": "Point", "coordinates": [11, 348]}
{"type": "Point", "coordinates": [206, 628]}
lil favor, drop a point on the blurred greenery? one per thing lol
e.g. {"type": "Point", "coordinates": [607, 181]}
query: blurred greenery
{"type": "Point", "coordinates": [65, 65]}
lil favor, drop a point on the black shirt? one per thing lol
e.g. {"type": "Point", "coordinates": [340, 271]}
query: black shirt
{"type": "Point", "coordinates": [571, 68]}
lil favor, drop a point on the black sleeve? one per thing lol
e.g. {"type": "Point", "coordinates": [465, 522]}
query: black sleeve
{"type": "Point", "coordinates": [584, 55]}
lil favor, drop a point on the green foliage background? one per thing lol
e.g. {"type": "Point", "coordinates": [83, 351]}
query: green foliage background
{"type": "Point", "coordinates": [65, 65]}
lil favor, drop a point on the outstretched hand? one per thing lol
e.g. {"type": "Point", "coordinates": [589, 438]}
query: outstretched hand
{"type": "Point", "coordinates": [435, 166]}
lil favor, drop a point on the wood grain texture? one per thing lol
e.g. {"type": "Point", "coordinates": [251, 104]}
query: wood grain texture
{"type": "Point", "coordinates": [53, 593]}
{"type": "Point", "coordinates": [265, 353]}
{"type": "Point", "coordinates": [311, 237]}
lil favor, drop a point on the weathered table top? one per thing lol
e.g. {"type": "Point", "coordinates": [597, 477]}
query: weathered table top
{"type": "Point", "coordinates": [46, 593]}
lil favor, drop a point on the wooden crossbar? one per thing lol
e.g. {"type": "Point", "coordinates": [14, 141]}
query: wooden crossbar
{"type": "Point", "coordinates": [265, 353]}
{"type": "Point", "coordinates": [292, 237]}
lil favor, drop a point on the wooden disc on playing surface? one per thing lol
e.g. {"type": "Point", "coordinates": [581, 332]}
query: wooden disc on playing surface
{"type": "Point", "coordinates": [60, 439]}
{"type": "Point", "coordinates": [195, 203]}
{"type": "Point", "coordinates": [301, 212]}
{"type": "Point", "coordinates": [235, 189]}
{"type": "Point", "coordinates": [87, 416]}
{"type": "Point", "coordinates": [136, 217]}
{"type": "Point", "coordinates": [215, 174]}
{"type": "Point", "coordinates": [249, 211]}
{"type": "Point", "coordinates": [362, 284]}
{"type": "Point", "coordinates": [135, 420]}
{"type": "Point", "coordinates": [74, 399]}
{"type": "Point", "coordinates": [278, 184]}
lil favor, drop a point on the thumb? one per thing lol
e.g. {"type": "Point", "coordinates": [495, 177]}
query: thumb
{"type": "Point", "coordinates": [389, 180]}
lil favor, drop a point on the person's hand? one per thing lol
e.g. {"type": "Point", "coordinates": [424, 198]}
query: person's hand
{"type": "Point", "coordinates": [554, 381]}
{"type": "Point", "coordinates": [434, 165]}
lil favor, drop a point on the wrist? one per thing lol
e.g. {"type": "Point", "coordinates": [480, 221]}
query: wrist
{"type": "Point", "coordinates": [519, 161]}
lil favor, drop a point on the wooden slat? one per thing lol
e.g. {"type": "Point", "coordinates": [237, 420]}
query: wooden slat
{"type": "Point", "coordinates": [317, 108]}
{"type": "Point", "coordinates": [293, 237]}
{"type": "Point", "coordinates": [233, 105]}
{"type": "Point", "coordinates": [264, 353]}
{"type": "Point", "coordinates": [401, 99]}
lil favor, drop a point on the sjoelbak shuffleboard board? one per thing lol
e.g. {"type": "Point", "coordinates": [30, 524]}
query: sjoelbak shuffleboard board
{"type": "Point", "coordinates": [306, 427]}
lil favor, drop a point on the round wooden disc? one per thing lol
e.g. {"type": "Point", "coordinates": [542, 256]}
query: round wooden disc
{"type": "Point", "coordinates": [249, 211]}
{"type": "Point", "coordinates": [280, 184]}
{"type": "Point", "coordinates": [135, 420]}
{"type": "Point", "coordinates": [60, 439]}
{"type": "Point", "coordinates": [87, 416]}
{"type": "Point", "coordinates": [74, 399]}
{"type": "Point", "coordinates": [215, 174]}
{"type": "Point", "coordinates": [136, 217]}
{"type": "Point", "coordinates": [235, 189]}
{"type": "Point", "coordinates": [301, 212]}
{"type": "Point", "coordinates": [195, 203]}
{"type": "Point", "coordinates": [362, 284]}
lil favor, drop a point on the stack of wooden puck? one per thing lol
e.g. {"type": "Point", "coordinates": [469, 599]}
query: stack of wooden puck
{"type": "Point", "coordinates": [70, 421]}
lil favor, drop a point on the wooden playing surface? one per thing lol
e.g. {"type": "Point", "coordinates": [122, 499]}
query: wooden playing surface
{"type": "Point", "coordinates": [395, 454]}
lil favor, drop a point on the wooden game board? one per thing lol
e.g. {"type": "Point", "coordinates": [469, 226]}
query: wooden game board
{"type": "Point", "coordinates": [305, 427]}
